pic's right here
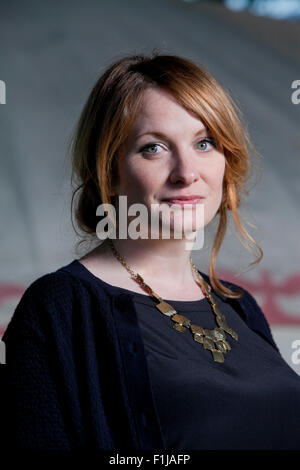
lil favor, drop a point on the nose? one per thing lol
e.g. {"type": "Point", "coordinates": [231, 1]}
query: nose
{"type": "Point", "coordinates": [184, 170]}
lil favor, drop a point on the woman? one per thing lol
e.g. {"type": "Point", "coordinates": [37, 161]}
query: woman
{"type": "Point", "coordinates": [130, 346]}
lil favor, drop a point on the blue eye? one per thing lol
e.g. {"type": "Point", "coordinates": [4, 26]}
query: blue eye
{"type": "Point", "coordinates": [205, 141]}
{"type": "Point", "coordinates": [148, 146]}
{"type": "Point", "coordinates": [154, 145]}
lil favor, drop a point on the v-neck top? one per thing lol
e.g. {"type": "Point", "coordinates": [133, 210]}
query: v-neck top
{"type": "Point", "coordinates": [251, 401]}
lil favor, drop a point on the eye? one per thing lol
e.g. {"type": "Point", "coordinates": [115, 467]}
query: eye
{"type": "Point", "coordinates": [150, 146]}
{"type": "Point", "coordinates": [205, 142]}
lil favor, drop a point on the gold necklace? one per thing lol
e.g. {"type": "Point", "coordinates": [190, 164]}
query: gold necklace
{"type": "Point", "coordinates": [212, 339]}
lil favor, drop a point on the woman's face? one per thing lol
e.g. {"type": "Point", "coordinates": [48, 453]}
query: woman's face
{"type": "Point", "coordinates": [169, 154]}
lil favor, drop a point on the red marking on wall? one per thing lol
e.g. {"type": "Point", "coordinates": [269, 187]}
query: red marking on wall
{"type": "Point", "coordinates": [270, 290]}
{"type": "Point", "coordinates": [9, 291]}
{"type": "Point", "coordinates": [2, 329]}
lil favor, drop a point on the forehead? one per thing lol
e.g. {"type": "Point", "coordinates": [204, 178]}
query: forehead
{"type": "Point", "coordinates": [159, 110]}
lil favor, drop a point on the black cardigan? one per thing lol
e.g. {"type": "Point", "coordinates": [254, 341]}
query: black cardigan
{"type": "Point", "coordinates": [77, 371]}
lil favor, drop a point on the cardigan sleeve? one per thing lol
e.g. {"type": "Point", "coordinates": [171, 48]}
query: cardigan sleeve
{"type": "Point", "coordinates": [34, 412]}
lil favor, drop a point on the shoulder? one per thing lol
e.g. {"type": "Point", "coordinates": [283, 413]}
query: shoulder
{"type": "Point", "coordinates": [255, 318]}
{"type": "Point", "coordinates": [246, 300]}
{"type": "Point", "coordinates": [246, 296]}
{"type": "Point", "coordinates": [48, 303]}
{"type": "Point", "coordinates": [232, 286]}
{"type": "Point", "coordinates": [248, 308]}
{"type": "Point", "coordinates": [58, 286]}
{"type": "Point", "coordinates": [67, 284]}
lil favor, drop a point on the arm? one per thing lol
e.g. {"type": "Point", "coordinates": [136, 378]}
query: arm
{"type": "Point", "coordinates": [33, 409]}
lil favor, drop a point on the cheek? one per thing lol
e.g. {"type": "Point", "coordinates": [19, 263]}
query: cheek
{"type": "Point", "coordinates": [216, 175]}
{"type": "Point", "coordinates": [137, 181]}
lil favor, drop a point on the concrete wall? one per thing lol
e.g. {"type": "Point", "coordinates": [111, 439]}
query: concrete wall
{"type": "Point", "coordinates": [51, 55]}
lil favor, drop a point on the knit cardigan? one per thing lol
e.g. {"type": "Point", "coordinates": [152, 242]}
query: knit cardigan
{"type": "Point", "coordinates": [77, 376]}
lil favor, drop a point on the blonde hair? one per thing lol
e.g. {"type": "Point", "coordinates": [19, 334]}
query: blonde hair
{"type": "Point", "coordinates": [107, 119]}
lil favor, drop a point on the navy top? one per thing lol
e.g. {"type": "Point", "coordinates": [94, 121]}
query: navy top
{"type": "Point", "coordinates": [207, 405]}
{"type": "Point", "coordinates": [95, 366]}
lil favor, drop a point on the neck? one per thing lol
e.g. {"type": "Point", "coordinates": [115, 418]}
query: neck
{"type": "Point", "coordinates": [157, 259]}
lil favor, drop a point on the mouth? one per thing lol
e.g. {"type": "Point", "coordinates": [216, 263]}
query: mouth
{"type": "Point", "coordinates": [183, 202]}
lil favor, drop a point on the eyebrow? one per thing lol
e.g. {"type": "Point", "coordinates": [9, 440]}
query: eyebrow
{"type": "Point", "coordinates": [161, 135]}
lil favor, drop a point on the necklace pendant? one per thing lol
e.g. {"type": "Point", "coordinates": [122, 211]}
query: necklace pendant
{"type": "Point", "coordinates": [218, 311]}
{"type": "Point", "coordinates": [198, 332]}
{"type": "Point", "coordinates": [223, 324]}
{"type": "Point", "coordinates": [228, 347]}
{"type": "Point", "coordinates": [181, 322]}
{"type": "Point", "coordinates": [166, 308]}
{"type": "Point", "coordinates": [179, 327]}
{"type": "Point", "coordinates": [199, 338]}
{"type": "Point", "coordinates": [197, 329]}
{"type": "Point", "coordinates": [218, 356]}
{"type": "Point", "coordinates": [221, 346]}
{"type": "Point", "coordinates": [208, 343]}
{"type": "Point", "coordinates": [233, 334]}
{"type": "Point", "coordinates": [211, 334]}
{"type": "Point", "coordinates": [218, 334]}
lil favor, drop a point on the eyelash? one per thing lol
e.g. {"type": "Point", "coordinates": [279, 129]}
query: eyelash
{"type": "Point", "coordinates": [152, 144]}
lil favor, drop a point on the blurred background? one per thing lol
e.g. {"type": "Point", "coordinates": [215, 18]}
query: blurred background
{"type": "Point", "coordinates": [51, 55]}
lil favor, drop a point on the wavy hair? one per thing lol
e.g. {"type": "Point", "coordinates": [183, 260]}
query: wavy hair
{"type": "Point", "coordinates": [107, 119]}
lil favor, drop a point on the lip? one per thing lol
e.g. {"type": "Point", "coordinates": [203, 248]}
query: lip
{"type": "Point", "coordinates": [183, 197]}
{"type": "Point", "coordinates": [184, 200]}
